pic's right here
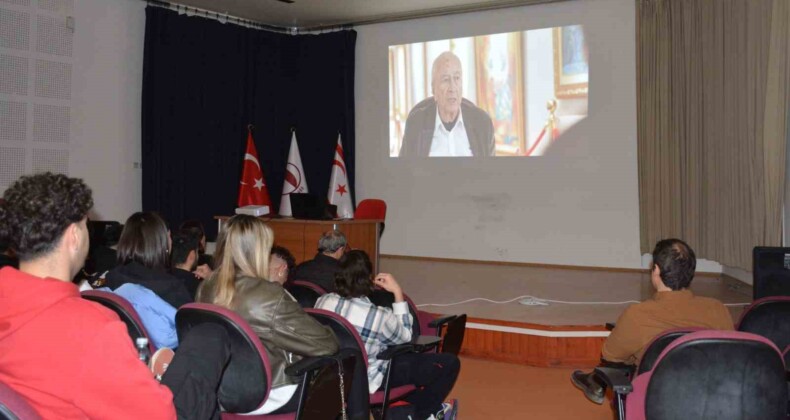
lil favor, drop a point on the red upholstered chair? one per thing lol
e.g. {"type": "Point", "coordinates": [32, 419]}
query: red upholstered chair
{"type": "Point", "coordinates": [125, 311]}
{"type": "Point", "coordinates": [305, 292]}
{"type": "Point", "coordinates": [723, 375]}
{"type": "Point", "coordinates": [14, 407]}
{"type": "Point", "coordinates": [246, 382]}
{"type": "Point", "coordinates": [349, 339]}
{"type": "Point", "coordinates": [371, 208]}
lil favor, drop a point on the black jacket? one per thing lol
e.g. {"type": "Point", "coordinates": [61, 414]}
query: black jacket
{"type": "Point", "coordinates": [421, 123]}
{"type": "Point", "coordinates": [320, 270]}
{"type": "Point", "coordinates": [167, 287]}
{"type": "Point", "coordinates": [190, 281]}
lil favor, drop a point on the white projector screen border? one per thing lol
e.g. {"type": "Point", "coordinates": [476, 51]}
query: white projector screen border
{"type": "Point", "coordinates": [578, 205]}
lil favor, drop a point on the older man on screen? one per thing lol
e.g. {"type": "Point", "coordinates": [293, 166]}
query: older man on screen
{"type": "Point", "coordinates": [446, 124]}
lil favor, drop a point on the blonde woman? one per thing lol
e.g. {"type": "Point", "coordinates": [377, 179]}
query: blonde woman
{"type": "Point", "coordinates": [240, 283]}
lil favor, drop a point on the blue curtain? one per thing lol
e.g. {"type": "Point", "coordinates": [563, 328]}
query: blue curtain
{"type": "Point", "coordinates": [204, 82]}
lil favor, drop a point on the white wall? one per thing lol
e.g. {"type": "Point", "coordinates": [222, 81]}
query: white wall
{"type": "Point", "coordinates": [576, 206]}
{"type": "Point", "coordinates": [106, 102]}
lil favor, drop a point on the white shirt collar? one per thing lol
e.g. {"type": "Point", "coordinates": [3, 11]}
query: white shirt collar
{"type": "Point", "coordinates": [439, 123]}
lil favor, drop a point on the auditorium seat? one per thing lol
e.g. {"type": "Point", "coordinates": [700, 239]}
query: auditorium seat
{"type": "Point", "coordinates": [305, 292]}
{"type": "Point", "coordinates": [722, 375]}
{"type": "Point", "coordinates": [125, 311]}
{"type": "Point", "coordinates": [349, 339]}
{"type": "Point", "coordinates": [770, 318]}
{"type": "Point", "coordinates": [246, 382]}
{"type": "Point", "coordinates": [428, 324]}
{"type": "Point", "coordinates": [14, 407]}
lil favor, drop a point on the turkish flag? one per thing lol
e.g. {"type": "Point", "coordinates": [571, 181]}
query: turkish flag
{"type": "Point", "coordinates": [339, 191]}
{"type": "Point", "coordinates": [252, 188]}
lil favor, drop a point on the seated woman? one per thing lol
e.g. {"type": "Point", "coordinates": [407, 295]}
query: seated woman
{"type": "Point", "coordinates": [143, 258]}
{"type": "Point", "coordinates": [240, 283]}
{"type": "Point", "coordinates": [433, 374]}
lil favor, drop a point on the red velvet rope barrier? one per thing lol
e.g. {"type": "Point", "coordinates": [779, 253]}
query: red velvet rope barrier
{"type": "Point", "coordinates": [537, 142]}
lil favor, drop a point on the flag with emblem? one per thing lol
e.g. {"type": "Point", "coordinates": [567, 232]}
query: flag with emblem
{"type": "Point", "coordinates": [252, 187]}
{"type": "Point", "coordinates": [339, 190]}
{"type": "Point", "coordinates": [295, 181]}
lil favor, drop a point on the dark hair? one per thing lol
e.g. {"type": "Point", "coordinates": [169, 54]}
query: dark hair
{"type": "Point", "coordinates": [184, 241]}
{"type": "Point", "coordinates": [284, 254]}
{"type": "Point", "coordinates": [144, 240]}
{"type": "Point", "coordinates": [353, 279]}
{"type": "Point", "coordinates": [37, 209]}
{"type": "Point", "coordinates": [195, 227]}
{"type": "Point", "coordinates": [677, 263]}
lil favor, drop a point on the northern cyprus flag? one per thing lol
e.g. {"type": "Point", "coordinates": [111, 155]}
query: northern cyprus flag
{"type": "Point", "coordinates": [339, 191]}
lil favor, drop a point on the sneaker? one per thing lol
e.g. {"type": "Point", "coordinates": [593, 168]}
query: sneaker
{"type": "Point", "coordinates": [591, 388]}
{"type": "Point", "coordinates": [160, 361]}
{"type": "Point", "coordinates": [448, 411]}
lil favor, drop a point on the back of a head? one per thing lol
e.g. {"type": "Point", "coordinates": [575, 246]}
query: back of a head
{"type": "Point", "coordinates": [196, 228]}
{"type": "Point", "coordinates": [38, 208]}
{"type": "Point", "coordinates": [243, 249]}
{"type": "Point", "coordinates": [354, 278]}
{"type": "Point", "coordinates": [285, 255]}
{"type": "Point", "coordinates": [677, 263]}
{"type": "Point", "coordinates": [331, 241]}
{"type": "Point", "coordinates": [184, 242]}
{"type": "Point", "coordinates": [144, 240]}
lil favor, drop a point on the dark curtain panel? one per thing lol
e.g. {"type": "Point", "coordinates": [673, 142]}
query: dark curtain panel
{"type": "Point", "coordinates": [204, 82]}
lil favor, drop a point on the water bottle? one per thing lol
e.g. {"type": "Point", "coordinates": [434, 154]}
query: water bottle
{"type": "Point", "coordinates": [142, 349]}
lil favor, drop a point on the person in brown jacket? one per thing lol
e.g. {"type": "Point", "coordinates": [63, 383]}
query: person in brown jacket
{"type": "Point", "coordinates": [241, 283]}
{"type": "Point", "coordinates": [672, 306]}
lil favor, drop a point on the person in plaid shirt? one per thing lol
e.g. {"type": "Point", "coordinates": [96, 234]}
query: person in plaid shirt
{"type": "Point", "coordinates": [433, 374]}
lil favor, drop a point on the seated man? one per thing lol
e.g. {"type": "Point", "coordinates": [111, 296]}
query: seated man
{"type": "Point", "coordinates": [321, 269]}
{"type": "Point", "coordinates": [281, 264]}
{"type": "Point", "coordinates": [73, 358]}
{"type": "Point", "coordinates": [184, 258]}
{"type": "Point", "coordinates": [672, 306]}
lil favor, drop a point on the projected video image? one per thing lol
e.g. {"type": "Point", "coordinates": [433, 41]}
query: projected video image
{"type": "Point", "coordinates": [510, 94]}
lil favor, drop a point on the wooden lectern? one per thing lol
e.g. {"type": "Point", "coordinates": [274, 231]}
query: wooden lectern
{"type": "Point", "coordinates": [301, 236]}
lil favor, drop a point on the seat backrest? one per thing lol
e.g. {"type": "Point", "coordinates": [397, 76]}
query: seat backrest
{"type": "Point", "coordinates": [770, 318]}
{"type": "Point", "coordinates": [13, 406]}
{"type": "Point", "coordinates": [371, 208]}
{"type": "Point", "coordinates": [247, 379]}
{"type": "Point", "coordinates": [346, 334]}
{"type": "Point", "coordinates": [305, 292]}
{"type": "Point", "coordinates": [454, 335]}
{"type": "Point", "coordinates": [383, 298]}
{"type": "Point", "coordinates": [349, 339]}
{"type": "Point", "coordinates": [770, 276]}
{"type": "Point", "coordinates": [713, 375]}
{"type": "Point", "coordinates": [658, 344]}
{"type": "Point", "coordinates": [125, 311]}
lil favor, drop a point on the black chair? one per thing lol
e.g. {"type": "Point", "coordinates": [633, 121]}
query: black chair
{"type": "Point", "coordinates": [306, 293]}
{"type": "Point", "coordinates": [770, 318]}
{"type": "Point", "coordinates": [350, 340]}
{"type": "Point", "coordinates": [722, 375]}
{"type": "Point", "coordinates": [246, 382]}
{"type": "Point", "coordinates": [770, 271]}
{"type": "Point", "coordinates": [15, 407]}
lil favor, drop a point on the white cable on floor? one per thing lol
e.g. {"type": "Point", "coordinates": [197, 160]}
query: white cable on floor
{"type": "Point", "coordinates": [498, 302]}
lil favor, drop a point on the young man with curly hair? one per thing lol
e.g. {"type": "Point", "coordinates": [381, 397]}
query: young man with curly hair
{"type": "Point", "coordinates": [69, 357]}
